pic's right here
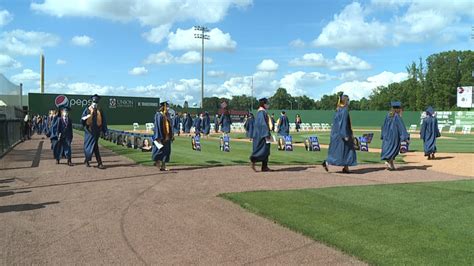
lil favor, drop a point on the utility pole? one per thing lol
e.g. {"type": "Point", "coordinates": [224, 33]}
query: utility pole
{"type": "Point", "coordinates": [251, 96]}
{"type": "Point", "coordinates": [202, 36]}
{"type": "Point", "coordinates": [42, 73]}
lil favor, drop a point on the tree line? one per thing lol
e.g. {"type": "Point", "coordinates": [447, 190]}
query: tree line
{"type": "Point", "coordinates": [432, 82]}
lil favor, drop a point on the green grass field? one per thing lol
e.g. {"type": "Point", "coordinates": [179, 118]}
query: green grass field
{"type": "Point", "coordinates": [182, 154]}
{"type": "Point", "coordinates": [454, 142]}
{"type": "Point", "coordinates": [405, 224]}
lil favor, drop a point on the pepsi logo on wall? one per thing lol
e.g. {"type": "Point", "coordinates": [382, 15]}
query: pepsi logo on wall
{"type": "Point", "coordinates": [61, 100]}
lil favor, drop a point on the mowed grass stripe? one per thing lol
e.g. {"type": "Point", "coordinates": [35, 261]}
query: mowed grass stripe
{"type": "Point", "coordinates": [423, 223]}
{"type": "Point", "coordinates": [182, 154]}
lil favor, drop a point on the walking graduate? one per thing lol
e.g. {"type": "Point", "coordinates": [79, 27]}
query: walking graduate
{"type": "Point", "coordinates": [393, 133]}
{"type": "Point", "coordinates": [216, 123]}
{"type": "Point", "coordinates": [298, 123]}
{"type": "Point", "coordinates": [187, 123]}
{"type": "Point", "coordinates": [177, 124]}
{"type": "Point", "coordinates": [341, 150]}
{"type": "Point", "coordinates": [283, 125]}
{"type": "Point", "coordinates": [206, 124]}
{"type": "Point", "coordinates": [225, 121]}
{"type": "Point", "coordinates": [197, 124]}
{"type": "Point", "coordinates": [61, 135]}
{"type": "Point", "coordinates": [429, 132]}
{"type": "Point", "coordinates": [162, 138]}
{"type": "Point", "coordinates": [261, 136]}
{"type": "Point", "coordinates": [94, 123]}
{"type": "Point", "coordinates": [249, 126]}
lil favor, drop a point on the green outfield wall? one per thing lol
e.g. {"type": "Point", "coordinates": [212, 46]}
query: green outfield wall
{"type": "Point", "coordinates": [117, 109]}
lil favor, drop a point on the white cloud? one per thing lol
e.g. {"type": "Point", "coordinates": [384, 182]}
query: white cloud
{"type": "Point", "coordinates": [157, 34]}
{"type": "Point", "coordinates": [27, 75]}
{"type": "Point", "coordinates": [161, 58]}
{"type": "Point", "coordinates": [156, 14]}
{"type": "Point", "coordinates": [302, 83]}
{"type": "Point", "coordinates": [358, 89]}
{"type": "Point", "coordinates": [147, 12]}
{"type": "Point", "coordinates": [342, 62]}
{"type": "Point", "coordinates": [185, 40]}
{"type": "Point", "coordinates": [8, 62]}
{"type": "Point", "coordinates": [267, 65]}
{"type": "Point", "coordinates": [60, 62]}
{"type": "Point", "coordinates": [298, 43]}
{"type": "Point", "coordinates": [138, 71]}
{"type": "Point", "coordinates": [349, 30]}
{"type": "Point", "coordinates": [5, 17]}
{"type": "Point", "coordinates": [165, 58]}
{"type": "Point", "coordinates": [83, 40]}
{"type": "Point", "coordinates": [311, 59]}
{"type": "Point", "coordinates": [410, 21]}
{"type": "Point", "coordinates": [20, 42]}
{"type": "Point", "coordinates": [216, 73]}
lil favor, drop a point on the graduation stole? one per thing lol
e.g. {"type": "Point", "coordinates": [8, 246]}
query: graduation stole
{"type": "Point", "coordinates": [99, 117]}
{"type": "Point", "coordinates": [166, 126]}
{"type": "Point", "coordinates": [268, 119]}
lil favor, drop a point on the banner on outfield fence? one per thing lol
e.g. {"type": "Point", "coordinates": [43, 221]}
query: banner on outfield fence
{"type": "Point", "coordinates": [465, 97]}
{"type": "Point", "coordinates": [453, 118]}
{"type": "Point", "coordinates": [118, 110]}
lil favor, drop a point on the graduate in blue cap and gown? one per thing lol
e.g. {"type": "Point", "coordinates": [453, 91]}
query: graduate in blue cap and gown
{"type": "Point", "coordinates": [261, 136]}
{"type": "Point", "coordinates": [283, 125]}
{"type": "Point", "coordinates": [197, 123]}
{"type": "Point", "coordinates": [341, 150]}
{"type": "Point", "coordinates": [249, 126]}
{"type": "Point", "coordinates": [429, 132]}
{"type": "Point", "coordinates": [187, 123]}
{"type": "Point", "coordinates": [216, 123]}
{"type": "Point", "coordinates": [61, 135]}
{"type": "Point", "coordinates": [206, 124]}
{"type": "Point", "coordinates": [94, 123]}
{"type": "Point", "coordinates": [393, 133]}
{"type": "Point", "coordinates": [177, 124]}
{"type": "Point", "coordinates": [163, 135]}
{"type": "Point", "coordinates": [225, 121]}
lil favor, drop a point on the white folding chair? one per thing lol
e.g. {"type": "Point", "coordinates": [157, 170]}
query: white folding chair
{"type": "Point", "coordinates": [452, 129]}
{"type": "Point", "coordinates": [135, 126]}
{"type": "Point", "coordinates": [412, 128]}
{"type": "Point", "coordinates": [466, 130]}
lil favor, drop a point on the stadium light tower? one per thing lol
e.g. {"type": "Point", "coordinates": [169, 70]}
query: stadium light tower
{"type": "Point", "coordinates": [202, 35]}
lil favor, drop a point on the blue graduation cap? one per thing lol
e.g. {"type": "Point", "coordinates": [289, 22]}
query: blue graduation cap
{"type": "Point", "coordinates": [164, 103]}
{"type": "Point", "coordinates": [396, 104]}
{"type": "Point", "coordinates": [95, 98]}
{"type": "Point", "coordinates": [263, 100]}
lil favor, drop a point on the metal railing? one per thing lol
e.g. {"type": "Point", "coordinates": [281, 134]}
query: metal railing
{"type": "Point", "coordinates": [11, 133]}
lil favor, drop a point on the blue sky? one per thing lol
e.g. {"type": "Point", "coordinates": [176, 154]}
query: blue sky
{"type": "Point", "coordinates": [147, 48]}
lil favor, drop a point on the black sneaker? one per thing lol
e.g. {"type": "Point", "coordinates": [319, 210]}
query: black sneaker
{"type": "Point", "coordinates": [325, 165]}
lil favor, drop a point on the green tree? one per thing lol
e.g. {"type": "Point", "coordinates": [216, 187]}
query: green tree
{"type": "Point", "coordinates": [304, 103]}
{"type": "Point", "coordinates": [211, 104]}
{"type": "Point", "coordinates": [282, 100]}
{"type": "Point", "coordinates": [243, 102]}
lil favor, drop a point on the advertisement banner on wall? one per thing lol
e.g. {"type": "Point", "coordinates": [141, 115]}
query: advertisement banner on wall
{"type": "Point", "coordinates": [119, 110]}
{"type": "Point", "coordinates": [464, 97]}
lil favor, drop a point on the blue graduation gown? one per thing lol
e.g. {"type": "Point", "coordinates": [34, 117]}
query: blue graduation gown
{"type": "Point", "coordinates": [206, 124]}
{"type": "Point", "coordinates": [249, 127]}
{"type": "Point", "coordinates": [187, 124]}
{"type": "Point", "coordinates": [61, 137]}
{"type": "Point", "coordinates": [92, 133]}
{"type": "Point", "coordinates": [176, 124]}
{"type": "Point", "coordinates": [284, 126]}
{"type": "Point", "coordinates": [393, 132]}
{"type": "Point", "coordinates": [428, 133]}
{"type": "Point", "coordinates": [216, 123]}
{"type": "Point", "coordinates": [341, 152]}
{"type": "Point", "coordinates": [197, 125]}
{"type": "Point", "coordinates": [225, 123]}
{"type": "Point", "coordinates": [261, 149]}
{"type": "Point", "coordinates": [163, 154]}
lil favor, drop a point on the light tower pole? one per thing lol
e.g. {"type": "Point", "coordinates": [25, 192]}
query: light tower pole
{"type": "Point", "coordinates": [202, 36]}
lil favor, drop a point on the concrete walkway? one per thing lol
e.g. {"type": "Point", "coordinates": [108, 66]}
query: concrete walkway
{"type": "Point", "coordinates": [131, 214]}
